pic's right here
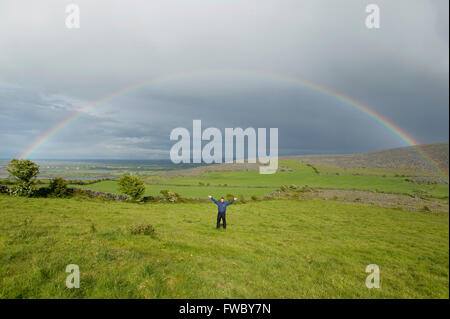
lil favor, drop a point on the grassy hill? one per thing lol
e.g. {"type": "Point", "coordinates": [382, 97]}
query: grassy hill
{"type": "Point", "coordinates": [398, 158]}
{"type": "Point", "coordinates": [403, 160]}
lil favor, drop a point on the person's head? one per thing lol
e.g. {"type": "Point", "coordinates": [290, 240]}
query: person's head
{"type": "Point", "coordinates": [222, 199]}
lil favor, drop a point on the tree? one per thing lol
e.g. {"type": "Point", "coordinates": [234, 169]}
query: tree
{"type": "Point", "coordinates": [25, 171]}
{"type": "Point", "coordinates": [132, 186]}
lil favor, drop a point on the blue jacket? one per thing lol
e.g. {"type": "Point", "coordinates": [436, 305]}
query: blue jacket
{"type": "Point", "coordinates": [222, 207]}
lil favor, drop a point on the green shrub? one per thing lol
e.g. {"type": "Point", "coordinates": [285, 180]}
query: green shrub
{"type": "Point", "coordinates": [254, 197]}
{"type": "Point", "coordinates": [242, 199]}
{"type": "Point", "coordinates": [170, 196]}
{"type": "Point", "coordinates": [58, 187]}
{"type": "Point", "coordinates": [142, 229]}
{"type": "Point", "coordinates": [305, 189]}
{"type": "Point", "coordinates": [23, 189]}
{"type": "Point", "coordinates": [132, 186]}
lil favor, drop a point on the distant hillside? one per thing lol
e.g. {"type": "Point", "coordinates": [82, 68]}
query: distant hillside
{"type": "Point", "coordinates": [403, 157]}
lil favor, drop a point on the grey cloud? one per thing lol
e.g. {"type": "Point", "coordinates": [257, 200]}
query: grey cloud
{"type": "Point", "coordinates": [47, 72]}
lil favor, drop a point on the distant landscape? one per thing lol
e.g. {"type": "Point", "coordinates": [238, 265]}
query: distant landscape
{"type": "Point", "coordinates": [307, 231]}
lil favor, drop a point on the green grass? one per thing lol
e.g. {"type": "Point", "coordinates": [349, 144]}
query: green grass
{"type": "Point", "coordinates": [249, 183]}
{"type": "Point", "coordinates": [187, 192]}
{"type": "Point", "coordinates": [382, 172]}
{"type": "Point", "coordinates": [302, 175]}
{"type": "Point", "coordinates": [271, 249]}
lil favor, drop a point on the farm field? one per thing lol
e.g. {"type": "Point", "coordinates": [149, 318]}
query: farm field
{"type": "Point", "coordinates": [184, 191]}
{"type": "Point", "coordinates": [250, 183]}
{"type": "Point", "coordinates": [271, 249]}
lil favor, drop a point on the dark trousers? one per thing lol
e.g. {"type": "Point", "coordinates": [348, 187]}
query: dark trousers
{"type": "Point", "coordinates": [221, 216]}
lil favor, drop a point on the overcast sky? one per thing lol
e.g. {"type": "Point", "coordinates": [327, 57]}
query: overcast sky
{"type": "Point", "coordinates": [48, 72]}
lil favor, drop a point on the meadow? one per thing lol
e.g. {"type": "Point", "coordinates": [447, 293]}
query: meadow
{"type": "Point", "coordinates": [271, 249]}
{"type": "Point", "coordinates": [313, 243]}
{"type": "Point", "coordinates": [250, 182]}
{"type": "Point", "coordinates": [190, 191]}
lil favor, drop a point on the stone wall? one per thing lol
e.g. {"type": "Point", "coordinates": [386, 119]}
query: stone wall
{"type": "Point", "coordinates": [100, 194]}
{"type": "Point", "coordinates": [4, 189]}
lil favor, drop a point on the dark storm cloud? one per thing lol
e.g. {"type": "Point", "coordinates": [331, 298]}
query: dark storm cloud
{"type": "Point", "coordinates": [48, 72]}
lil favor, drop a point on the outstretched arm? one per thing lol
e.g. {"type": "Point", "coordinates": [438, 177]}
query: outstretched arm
{"type": "Point", "coordinates": [213, 199]}
{"type": "Point", "coordinates": [231, 201]}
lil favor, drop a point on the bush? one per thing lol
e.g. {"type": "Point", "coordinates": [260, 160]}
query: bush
{"type": "Point", "coordinates": [170, 196]}
{"type": "Point", "coordinates": [23, 189]}
{"type": "Point", "coordinates": [242, 199]}
{"type": "Point", "coordinates": [230, 197]}
{"type": "Point", "coordinates": [254, 197]}
{"type": "Point", "coordinates": [58, 187]}
{"type": "Point", "coordinates": [132, 186]}
{"type": "Point", "coordinates": [142, 229]}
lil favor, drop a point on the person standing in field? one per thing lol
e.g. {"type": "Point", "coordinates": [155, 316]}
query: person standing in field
{"type": "Point", "coordinates": [221, 210]}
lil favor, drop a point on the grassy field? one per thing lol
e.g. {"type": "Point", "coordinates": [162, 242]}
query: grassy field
{"type": "Point", "coordinates": [271, 249]}
{"type": "Point", "coordinates": [187, 192]}
{"type": "Point", "coordinates": [250, 183]}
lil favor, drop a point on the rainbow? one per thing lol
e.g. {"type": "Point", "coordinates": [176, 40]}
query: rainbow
{"type": "Point", "coordinates": [384, 122]}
